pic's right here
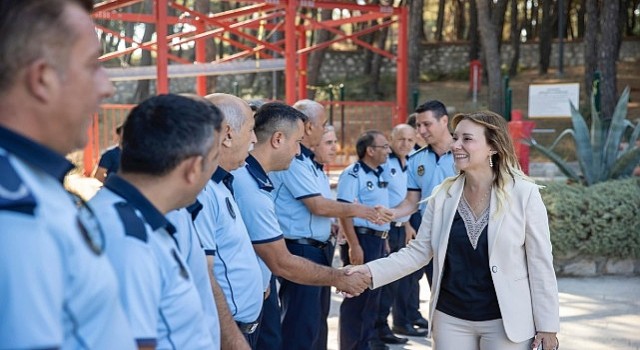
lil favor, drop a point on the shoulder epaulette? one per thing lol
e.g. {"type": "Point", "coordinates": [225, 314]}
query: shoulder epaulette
{"type": "Point", "coordinates": [419, 151]}
{"type": "Point", "coordinates": [14, 194]}
{"type": "Point", "coordinates": [354, 171]}
{"type": "Point", "coordinates": [133, 225]}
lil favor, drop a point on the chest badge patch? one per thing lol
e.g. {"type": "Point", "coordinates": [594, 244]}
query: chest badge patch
{"type": "Point", "coordinates": [370, 185]}
{"type": "Point", "coordinates": [421, 170]}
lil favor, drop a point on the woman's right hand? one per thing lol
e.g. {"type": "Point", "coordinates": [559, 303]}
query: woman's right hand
{"type": "Point", "coordinates": [356, 255]}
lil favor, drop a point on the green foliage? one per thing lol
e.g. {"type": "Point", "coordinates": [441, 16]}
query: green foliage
{"type": "Point", "coordinates": [599, 221]}
{"type": "Point", "coordinates": [598, 148]}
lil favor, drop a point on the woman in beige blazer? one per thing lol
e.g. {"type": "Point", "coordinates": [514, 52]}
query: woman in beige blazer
{"type": "Point", "coordinates": [494, 285]}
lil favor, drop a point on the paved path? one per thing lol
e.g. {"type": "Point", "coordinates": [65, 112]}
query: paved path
{"type": "Point", "coordinates": [595, 314]}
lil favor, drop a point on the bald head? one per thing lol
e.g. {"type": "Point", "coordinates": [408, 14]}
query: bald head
{"type": "Point", "coordinates": [238, 137]}
{"type": "Point", "coordinates": [403, 138]}
{"type": "Point", "coordinates": [234, 108]}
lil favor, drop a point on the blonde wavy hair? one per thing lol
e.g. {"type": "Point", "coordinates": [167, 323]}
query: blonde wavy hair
{"type": "Point", "coordinates": [505, 162]}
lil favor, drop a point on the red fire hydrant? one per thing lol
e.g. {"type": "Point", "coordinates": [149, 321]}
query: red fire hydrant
{"type": "Point", "coordinates": [519, 130]}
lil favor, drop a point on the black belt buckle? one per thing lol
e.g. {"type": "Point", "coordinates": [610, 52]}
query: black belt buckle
{"type": "Point", "coordinates": [308, 241]}
{"type": "Point", "coordinates": [247, 328]}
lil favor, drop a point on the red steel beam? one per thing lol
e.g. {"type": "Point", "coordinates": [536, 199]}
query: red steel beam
{"type": "Point", "coordinates": [129, 40]}
{"type": "Point", "coordinates": [114, 5]}
{"type": "Point", "coordinates": [201, 57]}
{"type": "Point", "coordinates": [163, 48]}
{"type": "Point", "coordinates": [290, 52]}
{"type": "Point", "coordinates": [402, 73]}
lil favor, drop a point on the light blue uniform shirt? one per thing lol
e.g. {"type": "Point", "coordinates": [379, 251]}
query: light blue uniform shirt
{"type": "Point", "coordinates": [396, 176]}
{"type": "Point", "coordinates": [253, 192]}
{"type": "Point", "coordinates": [359, 181]}
{"type": "Point", "coordinates": [426, 170]}
{"type": "Point", "coordinates": [225, 236]}
{"type": "Point", "coordinates": [191, 250]}
{"type": "Point", "coordinates": [303, 179]}
{"type": "Point", "coordinates": [57, 288]}
{"type": "Point", "coordinates": [156, 285]}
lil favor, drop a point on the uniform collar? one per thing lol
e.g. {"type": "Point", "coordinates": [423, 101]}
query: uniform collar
{"type": "Point", "coordinates": [258, 174]}
{"type": "Point", "coordinates": [367, 169]}
{"type": "Point", "coordinates": [393, 155]}
{"type": "Point", "coordinates": [305, 152]}
{"type": "Point", "coordinates": [131, 194]}
{"type": "Point", "coordinates": [318, 166]}
{"type": "Point", "coordinates": [35, 154]}
{"type": "Point", "coordinates": [194, 209]}
{"type": "Point", "coordinates": [221, 175]}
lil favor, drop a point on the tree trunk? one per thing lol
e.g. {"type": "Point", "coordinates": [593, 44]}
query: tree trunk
{"type": "Point", "coordinates": [416, 32]}
{"type": "Point", "coordinates": [608, 55]}
{"type": "Point", "coordinates": [488, 38]}
{"type": "Point", "coordinates": [460, 23]}
{"type": "Point", "coordinates": [590, 42]}
{"type": "Point", "coordinates": [515, 39]}
{"type": "Point", "coordinates": [317, 57]}
{"type": "Point", "coordinates": [143, 89]}
{"type": "Point", "coordinates": [545, 38]}
{"type": "Point", "coordinates": [498, 12]}
{"type": "Point", "coordinates": [440, 21]}
{"type": "Point", "coordinates": [582, 14]}
{"type": "Point", "coordinates": [474, 36]}
{"type": "Point", "coordinates": [376, 64]}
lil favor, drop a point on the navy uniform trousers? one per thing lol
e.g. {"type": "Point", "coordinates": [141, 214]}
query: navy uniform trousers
{"type": "Point", "coordinates": [269, 332]}
{"type": "Point", "coordinates": [305, 308]}
{"type": "Point", "coordinates": [389, 294]}
{"type": "Point", "coordinates": [358, 315]}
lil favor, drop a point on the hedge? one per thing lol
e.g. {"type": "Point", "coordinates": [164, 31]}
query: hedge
{"type": "Point", "coordinates": [602, 220]}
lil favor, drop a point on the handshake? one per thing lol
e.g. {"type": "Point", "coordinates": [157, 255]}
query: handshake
{"type": "Point", "coordinates": [352, 280]}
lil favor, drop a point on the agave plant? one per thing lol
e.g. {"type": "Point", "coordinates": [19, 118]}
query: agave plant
{"type": "Point", "coordinates": [598, 149]}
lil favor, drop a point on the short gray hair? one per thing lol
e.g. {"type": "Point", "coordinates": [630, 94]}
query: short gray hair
{"type": "Point", "coordinates": [311, 109]}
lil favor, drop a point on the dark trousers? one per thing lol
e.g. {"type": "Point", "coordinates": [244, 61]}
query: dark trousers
{"type": "Point", "coordinates": [305, 308]}
{"type": "Point", "coordinates": [389, 293]}
{"type": "Point", "coordinates": [405, 310]}
{"type": "Point", "coordinates": [358, 315]}
{"type": "Point", "coordinates": [269, 333]}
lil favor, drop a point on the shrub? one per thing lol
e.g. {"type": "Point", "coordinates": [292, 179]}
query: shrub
{"type": "Point", "coordinates": [602, 220]}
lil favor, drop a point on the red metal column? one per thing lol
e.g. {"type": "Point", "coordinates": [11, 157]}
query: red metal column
{"type": "Point", "coordinates": [290, 51]}
{"type": "Point", "coordinates": [201, 57]}
{"type": "Point", "coordinates": [162, 59]}
{"type": "Point", "coordinates": [302, 64]}
{"type": "Point", "coordinates": [402, 62]}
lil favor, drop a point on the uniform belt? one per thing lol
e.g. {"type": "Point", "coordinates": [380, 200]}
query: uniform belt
{"type": "Point", "coordinates": [369, 231]}
{"type": "Point", "coordinates": [397, 224]}
{"type": "Point", "coordinates": [247, 328]}
{"type": "Point", "coordinates": [308, 241]}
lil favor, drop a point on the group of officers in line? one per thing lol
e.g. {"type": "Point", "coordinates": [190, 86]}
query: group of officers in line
{"type": "Point", "coordinates": [181, 247]}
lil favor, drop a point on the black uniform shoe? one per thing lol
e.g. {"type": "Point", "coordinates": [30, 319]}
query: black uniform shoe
{"type": "Point", "coordinates": [377, 344]}
{"type": "Point", "coordinates": [409, 330]}
{"type": "Point", "coordinates": [421, 322]}
{"type": "Point", "coordinates": [391, 338]}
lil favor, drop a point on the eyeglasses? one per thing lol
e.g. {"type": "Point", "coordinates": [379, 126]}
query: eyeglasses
{"type": "Point", "coordinates": [387, 147]}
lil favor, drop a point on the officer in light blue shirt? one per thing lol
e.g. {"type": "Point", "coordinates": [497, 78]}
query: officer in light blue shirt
{"type": "Point", "coordinates": [426, 169]}
{"type": "Point", "coordinates": [395, 174]}
{"type": "Point", "coordinates": [279, 130]}
{"type": "Point", "coordinates": [363, 182]}
{"type": "Point", "coordinates": [190, 246]}
{"type": "Point", "coordinates": [57, 288]}
{"type": "Point", "coordinates": [169, 150]}
{"type": "Point", "coordinates": [304, 208]}
{"type": "Point", "coordinates": [232, 260]}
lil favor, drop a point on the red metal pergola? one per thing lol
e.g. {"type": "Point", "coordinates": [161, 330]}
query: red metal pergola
{"type": "Point", "coordinates": [285, 17]}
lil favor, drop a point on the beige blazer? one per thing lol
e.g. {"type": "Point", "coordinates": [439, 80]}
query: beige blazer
{"type": "Point", "coordinates": [519, 257]}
